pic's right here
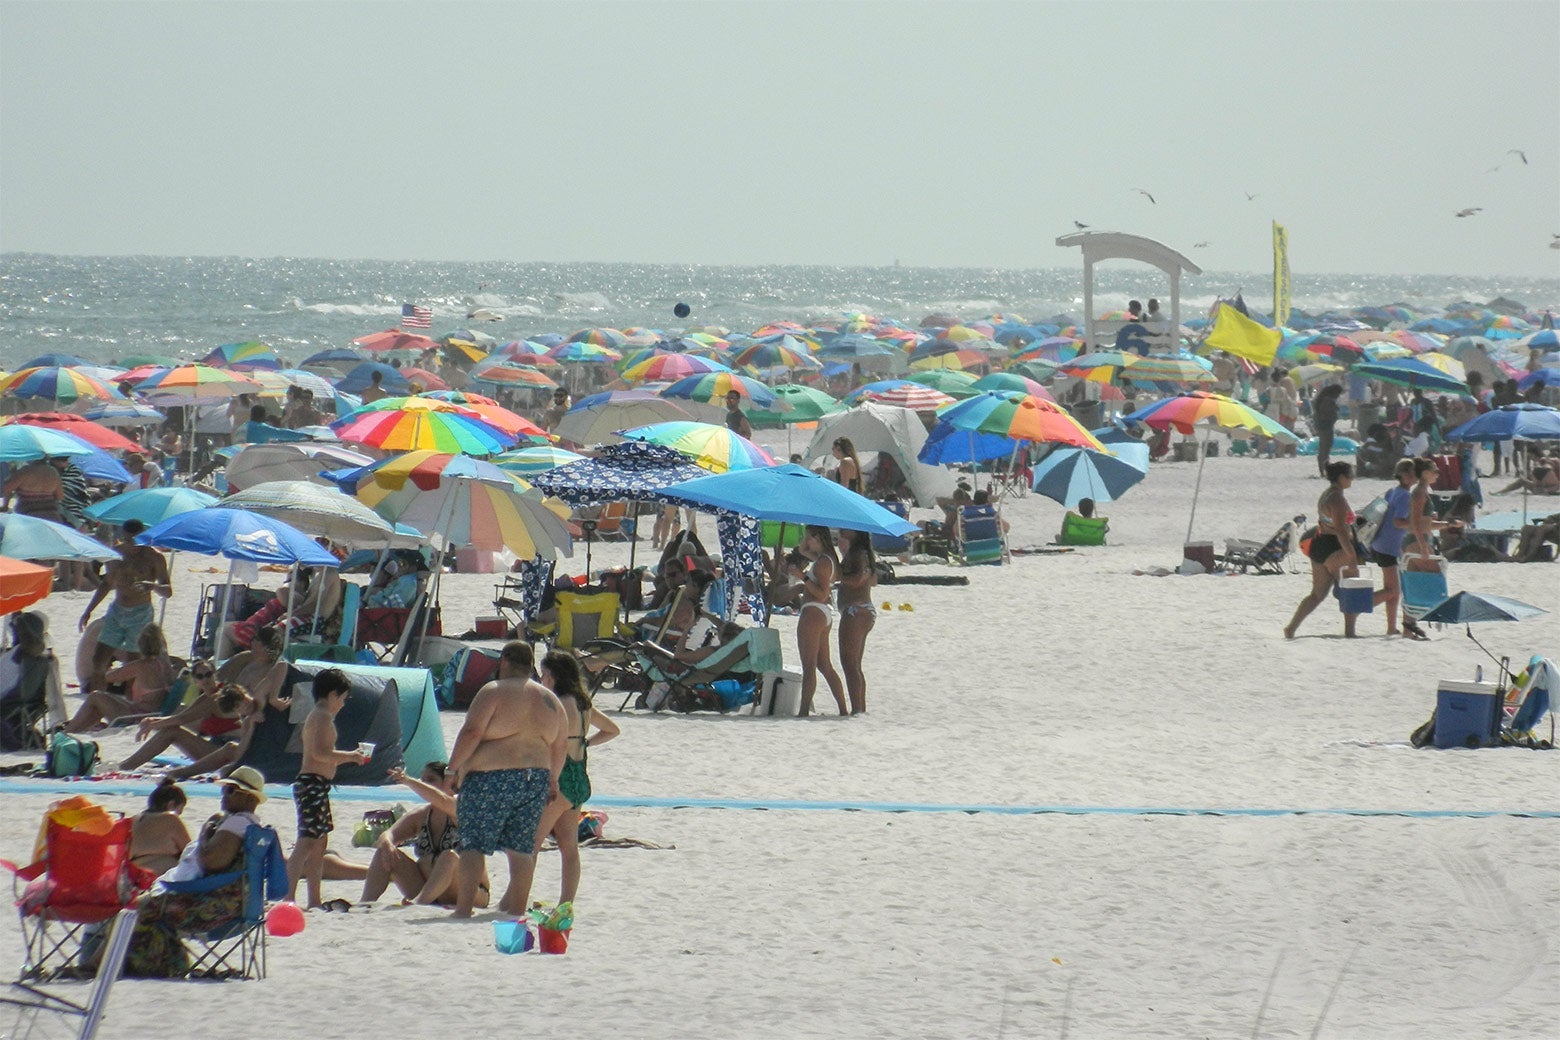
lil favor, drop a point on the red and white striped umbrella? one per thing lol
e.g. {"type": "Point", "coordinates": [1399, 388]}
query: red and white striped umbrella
{"type": "Point", "coordinates": [913, 396]}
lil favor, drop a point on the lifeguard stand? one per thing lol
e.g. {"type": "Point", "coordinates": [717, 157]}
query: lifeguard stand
{"type": "Point", "coordinates": [1114, 245]}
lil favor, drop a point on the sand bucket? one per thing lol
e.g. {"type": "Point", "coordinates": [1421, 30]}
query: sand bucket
{"type": "Point", "coordinates": [551, 940]}
{"type": "Point", "coordinates": [512, 937]}
{"type": "Point", "coordinates": [1356, 595]}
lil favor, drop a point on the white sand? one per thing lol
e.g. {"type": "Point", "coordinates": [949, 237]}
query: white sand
{"type": "Point", "coordinates": [1057, 680]}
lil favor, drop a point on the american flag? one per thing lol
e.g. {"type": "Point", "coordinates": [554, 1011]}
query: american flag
{"type": "Point", "coordinates": [415, 317]}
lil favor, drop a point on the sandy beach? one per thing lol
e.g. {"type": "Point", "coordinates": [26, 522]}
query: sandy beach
{"type": "Point", "coordinates": [1368, 894]}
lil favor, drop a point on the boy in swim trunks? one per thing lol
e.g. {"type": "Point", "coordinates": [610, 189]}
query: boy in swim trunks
{"type": "Point", "coordinates": [311, 790]}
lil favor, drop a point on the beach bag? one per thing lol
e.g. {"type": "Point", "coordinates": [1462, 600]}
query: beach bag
{"type": "Point", "coordinates": [374, 823]}
{"type": "Point", "coordinates": [69, 755]}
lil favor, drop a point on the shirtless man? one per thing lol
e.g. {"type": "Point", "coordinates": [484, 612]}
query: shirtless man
{"type": "Point", "coordinates": [140, 572]}
{"type": "Point", "coordinates": [505, 765]}
{"type": "Point", "coordinates": [39, 491]}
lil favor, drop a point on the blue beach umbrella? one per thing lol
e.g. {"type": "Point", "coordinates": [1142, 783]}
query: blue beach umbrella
{"type": "Point", "coordinates": [237, 534]}
{"type": "Point", "coordinates": [54, 361]}
{"type": "Point", "coordinates": [22, 443]}
{"type": "Point", "coordinates": [1523, 421]}
{"type": "Point", "coordinates": [792, 495]}
{"type": "Point", "coordinates": [32, 538]}
{"type": "Point", "coordinates": [151, 506]}
{"type": "Point", "coordinates": [360, 378]}
{"type": "Point", "coordinates": [1464, 608]}
{"type": "Point", "coordinates": [1068, 475]}
{"type": "Point", "coordinates": [1541, 377]}
{"type": "Point", "coordinates": [100, 465]}
{"type": "Point", "coordinates": [947, 445]}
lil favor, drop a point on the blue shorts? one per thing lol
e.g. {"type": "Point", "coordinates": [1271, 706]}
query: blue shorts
{"type": "Point", "coordinates": [122, 626]}
{"type": "Point", "coordinates": [501, 809]}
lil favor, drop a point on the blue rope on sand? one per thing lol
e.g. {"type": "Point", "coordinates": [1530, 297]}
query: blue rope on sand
{"type": "Point", "coordinates": [383, 794]}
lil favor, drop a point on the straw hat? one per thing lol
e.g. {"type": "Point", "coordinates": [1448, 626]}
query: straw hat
{"type": "Point", "coordinates": [247, 779]}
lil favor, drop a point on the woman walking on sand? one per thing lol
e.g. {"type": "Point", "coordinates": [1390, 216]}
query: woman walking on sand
{"type": "Point", "coordinates": [858, 577]}
{"type": "Point", "coordinates": [1333, 553]}
{"type": "Point", "coordinates": [817, 616]}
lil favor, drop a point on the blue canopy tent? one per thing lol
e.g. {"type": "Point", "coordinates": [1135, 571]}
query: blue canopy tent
{"type": "Point", "coordinates": [641, 472]}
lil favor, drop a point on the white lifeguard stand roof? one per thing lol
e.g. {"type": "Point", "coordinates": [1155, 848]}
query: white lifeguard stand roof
{"type": "Point", "coordinates": [1115, 245]}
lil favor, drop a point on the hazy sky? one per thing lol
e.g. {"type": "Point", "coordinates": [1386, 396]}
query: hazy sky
{"type": "Point", "coordinates": [785, 132]}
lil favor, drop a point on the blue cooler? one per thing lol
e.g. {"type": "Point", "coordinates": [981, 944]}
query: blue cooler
{"type": "Point", "coordinates": [1356, 595]}
{"type": "Point", "coordinates": [1467, 714]}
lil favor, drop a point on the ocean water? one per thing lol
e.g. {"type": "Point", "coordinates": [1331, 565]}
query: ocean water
{"type": "Point", "coordinates": [104, 308]}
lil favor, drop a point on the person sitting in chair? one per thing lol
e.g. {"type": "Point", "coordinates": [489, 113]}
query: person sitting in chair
{"type": "Point", "coordinates": [24, 682]}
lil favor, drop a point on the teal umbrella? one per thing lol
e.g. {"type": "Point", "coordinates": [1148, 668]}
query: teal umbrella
{"type": "Point", "coordinates": [25, 537]}
{"type": "Point", "coordinates": [1069, 475]}
{"type": "Point", "coordinates": [151, 506]}
{"type": "Point", "coordinates": [21, 443]}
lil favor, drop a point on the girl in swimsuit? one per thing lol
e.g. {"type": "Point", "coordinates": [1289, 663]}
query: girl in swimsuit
{"type": "Point", "coordinates": [560, 673]}
{"type": "Point", "coordinates": [158, 835]}
{"type": "Point", "coordinates": [149, 676]}
{"type": "Point", "coordinates": [848, 474]}
{"type": "Point", "coordinates": [817, 617]}
{"type": "Point", "coordinates": [1333, 554]}
{"type": "Point", "coordinates": [428, 875]}
{"type": "Point", "coordinates": [858, 577]}
{"type": "Point", "coordinates": [211, 720]}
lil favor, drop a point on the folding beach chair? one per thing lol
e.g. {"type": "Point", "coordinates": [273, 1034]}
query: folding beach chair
{"type": "Point", "coordinates": [613, 522]}
{"type": "Point", "coordinates": [1263, 557]}
{"type": "Point", "coordinates": [32, 1002]}
{"type": "Point", "coordinates": [980, 535]}
{"type": "Point", "coordinates": [343, 650]}
{"type": "Point", "coordinates": [236, 949]}
{"type": "Point", "coordinates": [213, 598]}
{"type": "Point", "coordinates": [585, 616]}
{"type": "Point", "coordinates": [690, 686]}
{"type": "Point", "coordinates": [1083, 530]}
{"type": "Point", "coordinates": [22, 717]}
{"type": "Point", "coordinates": [1423, 590]}
{"type": "Point", "coordinates": [82, 879]}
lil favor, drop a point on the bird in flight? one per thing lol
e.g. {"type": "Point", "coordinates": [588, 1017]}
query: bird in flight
{"type": "Point", "coordinates": [1470, 211]}
{"type": "Point", "coordinates": [1554, 243]}
{"type": "Point", "coordinates": [1204, 245]}
{"type": "Point", "coordinates": [1249, 196]}
{"type": "Point", "coordinates": [1520, 154]}
{"type": "Point", "coordinates": [1080, 225]}
{"type": "Point", "coordinates": [1146, 195]}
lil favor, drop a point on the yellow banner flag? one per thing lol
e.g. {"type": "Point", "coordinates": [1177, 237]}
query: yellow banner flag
{"type": "Point", "coordinates": [1234, 333]}
{"type": "Point", "coordinates": [1280, 274]}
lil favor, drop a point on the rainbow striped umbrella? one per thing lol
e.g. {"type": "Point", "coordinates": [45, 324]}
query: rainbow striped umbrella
{"type": "Point", "coordinates": [783, 351]}
{"type": "Point", "coordinates": [399, 424]}
{"type": "Point", "coordinates": [77, 426]}
{"type": "Point", "coordinates": [668, 367]}
{"type": "Point", "coordinates": [528, 462]}
{"type": "Point", "coordinates": [1101, 366]}
{"type": "Point", "coordinates": [243, 355]}
{"type": "Point", "coordinates": [509, 373]}
{"type": "Point", "coordinates": [189, 384]}
{"type": "Point", "coordinates": [598, 337]}
{"type": "Point", "coordinates": [713, 387]}
{"type": "Point", "coordinates": [1174, 368]}
{"type": "Point", "coordinates": [63, 386]}
{"type": "Point", "coordinates": [1418, 342]}
{"type": "Point", "coordinates": [582, 353]}
{"type": "Point", "coordinates": [522, 350]}
{"type": "Point", "coordinates": [1052, 348]}
{"type": "Point", "coordinates": [1019, 417]}
{"type": "Point", "coordinates": [714, 448]}
{"type": "Point", "coordinates": [456, 500]}
{"type": "Point", "coordinates": [476, 406]}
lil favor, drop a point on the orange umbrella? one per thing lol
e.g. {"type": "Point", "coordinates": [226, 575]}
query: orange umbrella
{"type": "Point", "coordinates": [395, 339]}
{"type": "Point", "coordinates": [22, 584]}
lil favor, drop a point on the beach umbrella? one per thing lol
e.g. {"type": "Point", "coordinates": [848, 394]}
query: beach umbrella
{"type": "Point", "coordinates": [23, 443]}
{"type": "Point", "coordinates": [793, 495]}
{"type": "Point", "coordinates": [486, 409]}
{"type": "Point", "coordinates": [419, 428]}
{"type": "Point", "coordinates": [1037, 370]}
{"type": "Point", "coordinates": [523, 350]}
{"type": "Point", "coordinates": [671, 367]}
{"type": "Point", "coordinates": [1052, 348]}
{"type": "Point", "coordinates": [250, 355]}
{"type": "Point", "coordinates": [803, 404]}
{"type": "Point", "coordinates": [194, 384]}
{"type": "Point", "coordinates": [1306, 374]}
{"type": "Point", "coordinates": [782, 351]}
{"type": "Point", "coordinates": [595, 419]}
{"type": "Point", "coordinates": [1173, 368]}
{"type": "Point", "coordinates": [508, 373]}
{"type": "Point", "coordinates": [712, 387]}
{"type": "Point", "coordinates": [25, 537]}
{"type": "Point", "coordinates": [1185, 412]}
{"type": "Point", "coordinates": [1101, 366]}
{"type": "Point", "coordinates": [1433, 371]}
{"type": "Point", "coordinates": [301, 460]}
{"type": "Point", "coordinates": [1069, 475]}
{"type": "Point", "coordinates": [953, 382]}
{"type": "Point", "coordinates": [361, 377]}
{"type": "Point", "coordinates": [1540, 377]}
{"type": "Point", "coordinates": [534, 461]}
{"type": "Point", "coordinates": [1523, 421]}
{"type": "Point", "coordinates": [962, 360]}
{"type": "Point", "coordinates": [1015, 382]}
{"type": "Point", "coordinates": [314, 509]}
{"type": "Point", "coordinates": [395, 339]}
{"type": "Point", "coordinates": [22, 584]}
{"type": "Point", "coordinates": [950, 446]}
{"type": "Point", "coordinates": [1466, 608]}
{"type": "Point", "coordinates": [1019, 417]}
{"type": "Point", "coordinates": [237, 534]}
{"type": "Point", "coordinates": [427, 379]}
{"type": "Point", "coordinates": [910, 395]}
{"type": "Point", "coordinates": [710, 447]}
{"type": "Point", "coordinates": [77, 426]}
{"type": "Point", "coordinates": [54, 361]}
{"type": "Point", "coordinates": [578, 352]}
{"type": "Point", "coordinates": [471, 337]}
{"type": "Point", "coordinates": [600, 337]}
{"type": "Point", "coordinates": [102, 466]}
{"type": "Point", "coordinates": [335, 357]}
{"type": "Point", "coordinates": [151, 506]}
{"type": "Point", "coordinates": [124, 413]}
{"type": "Point", "coordinates": [855, 347]}
{"type": "Point", "coordinates": [63, 386]}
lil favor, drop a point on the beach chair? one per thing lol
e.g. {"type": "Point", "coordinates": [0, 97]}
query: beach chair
{"type": "Point", "coordinates": [892, 545]}
{"type": "Point", "coordinates": [980, 536]}
{"type": "Point", "coordinates": [343, 650]}
{"type": "Point", "coordinates": [612, 522]}
{"type": "Point", "coordinates": [1262, 557]}
{"type": "Point", "coordinates": [690, 686]}
{"type": "Point", "coordinates": [236, 949]}
{"type": "Point", "coordinates": [1423, 590]}
{"type": "Point", "coordinates": [83, 879]}
{"type": "Point", "coordinates": [32, 1002]}
{"type": "Point", "coordinates": [1083, 530]}
{"type": "Point", "coordinates": [206, 620]}
{"type": "Point", "coordinates": [586, 616]}
{"type": "Point", "coordinates": [23, 717]}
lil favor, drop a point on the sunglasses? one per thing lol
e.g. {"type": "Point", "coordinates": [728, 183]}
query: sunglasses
{"type": "Point", "coordinates": [204, 675]}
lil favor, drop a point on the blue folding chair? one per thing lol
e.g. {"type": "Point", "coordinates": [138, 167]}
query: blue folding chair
{"type": "Point", "coordinates": [892, 545]}
{"type": "Point", "coordinates": [1422, 591]}
{"type": "Point", "coordinates": [236, 949]}
{"type": "Point", "coordinates": [980, 535]}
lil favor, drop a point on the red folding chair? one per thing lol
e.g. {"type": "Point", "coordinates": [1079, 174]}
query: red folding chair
{"type": "Point", "coordinates": [83, 879]}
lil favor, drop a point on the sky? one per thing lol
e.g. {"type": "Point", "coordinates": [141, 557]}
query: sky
{"type": "Point", "coordinates": [724, 132]}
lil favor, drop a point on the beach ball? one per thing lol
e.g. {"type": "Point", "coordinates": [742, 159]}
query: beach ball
{"type": "Point", "coordinates": [284, 919]}
{"type": "Point", "coordinates": [682, 310]}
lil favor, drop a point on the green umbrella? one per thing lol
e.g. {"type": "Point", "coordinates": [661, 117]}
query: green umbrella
{"type": "Point", "coordinates": [950, 381]}
{"type": "Point", "coordinates": [1036, 369]}
{"type": "Point", "coordinates": [805, 403]}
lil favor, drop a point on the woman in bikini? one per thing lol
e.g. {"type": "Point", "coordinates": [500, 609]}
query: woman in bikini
{"type": "Point", "coordinates": [1333, 553]}
{"type": "Point", "coordinates": [817, 617]}
{"type": "Point", "coordinates": [560, 673]}
{"type": "Point", "coordinates": [158, 835]}
{"type": "Point", "coordinates": [1422, 524]}
{"type": "Point", "coordinates": [148, 679]}
{"type": "Point", "coordinates": [848, 473]}
{"type": "Point", "coordinates": [427, 875]}
{"type": "Point", "coordinates": [213, 719]}
{"type": "Point", "coordinates": [858, 577]}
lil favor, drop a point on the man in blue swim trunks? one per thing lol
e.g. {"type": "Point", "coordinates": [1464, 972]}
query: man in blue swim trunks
{"type": "Point", "coordinates": [505, 766]}
{"type": "Point", "coordinates": [139, 572]}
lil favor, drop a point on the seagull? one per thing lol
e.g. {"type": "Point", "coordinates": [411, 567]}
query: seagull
{"type": "Point", "coordinates": [1520, 154]}
{"type": "Point", "coordinates": [1079, 225]}
{"type": "Point", "coordinates": [1204, 245]}
{"type": "Point", "coordinates": [1554, 243]}
{"type": "Point", "coordinates": [1146, 195]}
{"type": "Point", "coordinates": [1249, 196]}
{"type": "Point", "coordinates": [1470, 211]}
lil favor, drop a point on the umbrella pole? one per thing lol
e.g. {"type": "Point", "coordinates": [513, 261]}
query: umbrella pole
{"type": "Point", "coordinates": [163, 610]}
{"type": "Point", "coordinates": [430, 596]}
{"type": "Point", "coordinates": [633, 543]}
{"type": "Point", "coordinates": [222, 613]}
{"type": "Point", "coordinates": [1202, 459]}
{"type": "Point", "coordinates": [292, 592]}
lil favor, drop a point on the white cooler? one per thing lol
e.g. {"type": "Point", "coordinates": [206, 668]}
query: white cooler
{"type": "Point", "coordinates": [779, 693]}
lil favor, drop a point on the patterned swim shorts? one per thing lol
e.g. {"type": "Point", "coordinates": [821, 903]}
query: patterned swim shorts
{"type": "Point", "coordinates": [311, 796]}
{"type": "Point", "coordinates": [501, 809]}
